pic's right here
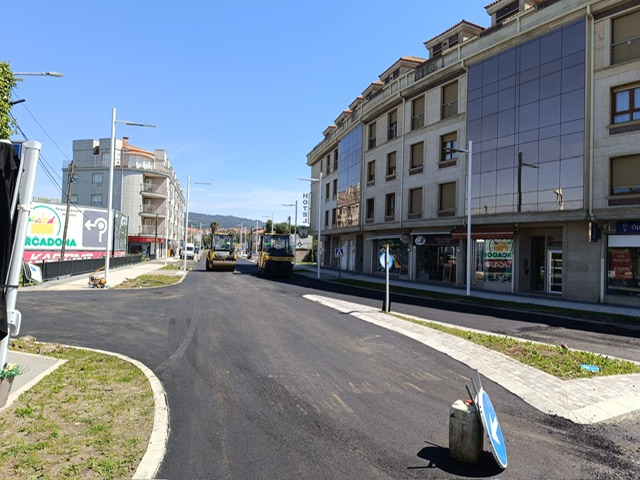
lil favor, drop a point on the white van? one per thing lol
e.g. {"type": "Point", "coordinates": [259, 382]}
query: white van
{"type": "Point", "coordinates": [191, 251]}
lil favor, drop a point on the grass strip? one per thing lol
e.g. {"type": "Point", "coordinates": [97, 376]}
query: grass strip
{"type": "Point", "coordinates": [555, 360]}
{"type": "Point", "coordinates": [146, 281]}
{"type": "Point", "coordinates": [90, 418]}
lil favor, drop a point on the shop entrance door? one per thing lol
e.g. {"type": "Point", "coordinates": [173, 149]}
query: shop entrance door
{"type": "Point", "coordinates": [554, 270]}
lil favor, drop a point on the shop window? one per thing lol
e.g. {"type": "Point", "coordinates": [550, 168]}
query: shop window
{"type": "Point", "coordinates": [624, 271]}
{"type": "Point", "coordinates": [625, 175]}
{"type": "Point", "coordinates": [417, 113]}
{"type": "Point", "coordinates": [415, 203]}
{"type": "Point", "coordinates": [391, 166]}
{"type": "Point", "coordinates": [625, 40]}
{"type": "Point", "coordinates": [449, 100]}
{"type": "Point", "coordinates": [390, 206]}
{"type": "Point", "coordinates": [625, 104]}
{"type": "Point", "coordinates": [417, 158]}
{"type": "Point", "coordinates": [495, 260]}
{"type": "Point", "coordinates": [398, 253]}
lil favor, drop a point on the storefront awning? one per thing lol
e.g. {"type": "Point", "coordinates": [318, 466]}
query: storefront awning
{"type": "Point", "coordinates": [479, 233]}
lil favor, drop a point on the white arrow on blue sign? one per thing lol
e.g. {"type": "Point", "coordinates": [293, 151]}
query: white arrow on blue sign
{"type": "Point", "coordinates": [492, 428]}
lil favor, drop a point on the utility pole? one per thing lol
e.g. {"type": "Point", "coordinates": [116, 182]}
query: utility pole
{"type": "Point", "coordinates": [66, 217]}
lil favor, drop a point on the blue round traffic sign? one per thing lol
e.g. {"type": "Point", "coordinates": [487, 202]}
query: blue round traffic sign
{"type": "Point", "coordinates": [492, 428]}
{"type": "Point", "coordinates": [384, 261]}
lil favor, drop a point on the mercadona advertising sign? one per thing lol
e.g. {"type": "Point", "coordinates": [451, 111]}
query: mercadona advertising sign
{"type": "Point", "coordinates": [86, 232]}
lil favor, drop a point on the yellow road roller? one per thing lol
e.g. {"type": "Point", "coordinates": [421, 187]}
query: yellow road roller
{"type": "Point", "coordinates": [222, 255]}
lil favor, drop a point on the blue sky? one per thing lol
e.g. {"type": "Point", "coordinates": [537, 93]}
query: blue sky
{"type": "Point", "coordinates": [240, 91]}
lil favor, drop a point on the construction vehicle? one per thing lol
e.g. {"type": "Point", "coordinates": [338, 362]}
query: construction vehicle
{"type": "Point", "coordinates": [275, 255]}
{"type": "Point", "coordinates": [222, 255]}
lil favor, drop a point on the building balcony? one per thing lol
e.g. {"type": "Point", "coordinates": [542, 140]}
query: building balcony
{"type": "Point", "coordinates": [153, 210]}
{"type": "Point", "coordinates": [153, 190]}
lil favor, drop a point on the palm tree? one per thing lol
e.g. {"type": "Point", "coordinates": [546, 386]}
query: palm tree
{"type": "Point", "coordinates": [214, 227]}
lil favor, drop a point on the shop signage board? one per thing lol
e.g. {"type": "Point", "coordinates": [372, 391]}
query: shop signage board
{"type": "Point", "coordinates": [86, 232]}
{"type": "Point", "coordinates": [632, 227]}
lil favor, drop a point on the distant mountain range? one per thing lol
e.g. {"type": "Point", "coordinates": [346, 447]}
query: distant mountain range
{"type": "Point", "coordinates": [224, 221]}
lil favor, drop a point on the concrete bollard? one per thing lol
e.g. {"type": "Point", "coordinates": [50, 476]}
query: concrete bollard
{"type": "Point", "coordinates": [466, 435]}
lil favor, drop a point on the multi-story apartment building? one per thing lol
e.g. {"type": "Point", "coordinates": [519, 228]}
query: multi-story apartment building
{"type": "Point", "coordinates": [544, 106]}
{"type": "Point", "coordinates": [145, 189]}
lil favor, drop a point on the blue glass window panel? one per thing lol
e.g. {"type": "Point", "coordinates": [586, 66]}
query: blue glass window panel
{"type": "Point", "coordinates": [572, 145]}
{"type": "Point", "coordinates": [548, 132]}
{"type": "Point", "coordinates": [529, 55]}
{"type": "Point", "coordinates": [571, 172]}
{"type": "Point", "coordinates": [550, 111]}
{"type": "Point", "coordinates": [507, 64]}
{"type": "Point", "coordinates": [506, 122]}
{"type": "Point", "coordinates": [505, 182]}
{"type": "Point", "coordinates": [506, 98]}
{"type": "Point", "coordinates": [549, 175]}
{"type": "Point", "coordinates": [506, 157]}
{"type": "Point", "coordinates": [528, 117]}
{"type": "Point", "coordinates": [549, 149]}
{"type": "Point", "coordinates": [573, 78]}
{"type": "Point", "coordinates": [474, 77]}
{"type": "Point", "coordinates": [573, 104]}
{"type": "Point", "coordinates": [551, 85]}
{"type": "Point", "coordinates": [572, 127]}
{"type": "Point", "coordinates": [474, 109]}
{"type": "Point", "coordinates": [488, 161]}
{"type": "Point", "coordinates": [490, 71]}
{"type": "Point", "coordinates": [488, 185]}
{"type": "Point", "coordinates": [490, 104]}
{"type": "Point", "coordinates": [551, 67]}
{"type": "Point", "coordinates": [530, 91]}
{"type": "Point", "coordinates": [573, 38]}
{"type": "Point", "coordinates": [490, 126]}
{"type": "Point", "coordinates": [549, 47]}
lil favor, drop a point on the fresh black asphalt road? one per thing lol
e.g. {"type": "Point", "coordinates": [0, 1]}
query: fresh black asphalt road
{"type": "Point", "coordinates": [262, 383]}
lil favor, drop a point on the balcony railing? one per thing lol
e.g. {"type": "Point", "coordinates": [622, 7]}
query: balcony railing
{"type": "Point", "coordinates": [153, 188]}
{"type": "Point", "coordinates": [153, 209]}
{"type": "Point", "coordinates": [626, 50]}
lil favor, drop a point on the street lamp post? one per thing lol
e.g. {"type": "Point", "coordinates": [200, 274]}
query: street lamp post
{"type": "Point", "coordinates": [186, 221]}
{"type": "Point", "coordinates": [469, 153]}
{"type": "Point", "coordinates": [319, 180]}
{"type": "Point", "coordinates": [295, 229]}
{"type": "Point", "coordinates": [520, 165]}
{"type": "Point", "coordinates": [112, 162]}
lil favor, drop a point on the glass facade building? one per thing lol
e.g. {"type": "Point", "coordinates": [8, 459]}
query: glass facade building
{"type": "Point", "coordinates": [349, 163]}
{"type": "Point", "coordinates": [526, 118]}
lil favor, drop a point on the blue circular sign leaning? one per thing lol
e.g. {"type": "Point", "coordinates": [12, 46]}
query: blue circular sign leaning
{"type": "Point", "coordinates": [384, 263]}
{"type": "Point", "coordinates": [492, 428]}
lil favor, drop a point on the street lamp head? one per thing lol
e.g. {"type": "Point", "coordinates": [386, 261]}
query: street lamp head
{"type": "Point", "coordinates": [40, 74]}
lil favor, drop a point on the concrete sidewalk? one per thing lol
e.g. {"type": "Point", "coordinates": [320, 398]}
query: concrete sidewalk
{"type": "Point", "coordinates": [116, 275]}
{"type": "Point", "coordinates": [547, 300]}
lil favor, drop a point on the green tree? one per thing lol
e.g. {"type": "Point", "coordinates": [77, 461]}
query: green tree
{"type": "Point", "coordinates": [7, 82]}
{"type": "Point", "coordinates": [214, 227]}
